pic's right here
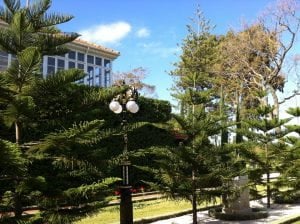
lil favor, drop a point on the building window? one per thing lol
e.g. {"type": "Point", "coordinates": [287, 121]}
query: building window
{"type": "Point", "coordinates": [90, 59]}
{"type": "Point", "coordinates": [90, 71]}
{"type": "Point", "coordinates": [106, 63]}
{"type": "Point", "coordinates": [51, 65]}
{"type": "Point", "coordinates": [80, 56]}
{"type": "Point", "coordinates": [60, 64]}
{"type": "Point", "coordinates": [71, 64]}
{"type": "Point", "coordinates": [3, 61]}
{"type": "Point", "coordinates": [97, 81]}
{"type": "Point", "coordinates": [80, 66]}
{"type": "Point", "coordinates": [72, 55]}
{"type": "Point", "coordinates": [107, 78]}
{"type": "Point", "coordinates": [3, 54]}
{"type": "Point", "coordinates": [99, 61]}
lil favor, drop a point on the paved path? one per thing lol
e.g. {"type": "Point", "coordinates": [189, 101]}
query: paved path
{"type": "Point", "coordinates": [276, 212]}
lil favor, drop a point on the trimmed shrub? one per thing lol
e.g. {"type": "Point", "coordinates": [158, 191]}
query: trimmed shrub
{"type": "Point", "coordinates": [287, 197]}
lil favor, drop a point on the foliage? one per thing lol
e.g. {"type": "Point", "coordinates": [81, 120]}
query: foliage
{"type": "Point", "coordinates": [287, 197]}
{"type": "Point", "coordinates": [12, 163]}
{"type": "Point", "coordinates": [29, 34]}
{"type": "Point", "coordinates": [33, 26]}
{"type": "Point", "coordinates": [153, 110]}
{"type": "Point", "coordinates": [134, 78]}
{"type": "Point", "coordinates": [257, 56]}
{"type": "Point", "coordinates": [290, 158]}
{"type": "Point", "coordinates": [267, 138]}
{"type": "Point", "coordinates": [195, 69]}
{"type": "Point", "coordinates": [140, 136]}
{"type": "Point", "coordinates": [76, 177]}
{"type": "Point", "coordinates": [193, 162]}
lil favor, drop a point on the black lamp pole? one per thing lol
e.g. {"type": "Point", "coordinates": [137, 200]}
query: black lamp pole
{"type": "Point", "coordinates": [124, 103]}
{"type": "Point", "coordinates": [126, 209]}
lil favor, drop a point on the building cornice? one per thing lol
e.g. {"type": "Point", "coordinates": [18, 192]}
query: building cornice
{"type": "Point", "coordinates": [91, 48]}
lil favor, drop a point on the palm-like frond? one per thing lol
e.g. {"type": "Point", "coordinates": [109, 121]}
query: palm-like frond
{"type": "Point", "coordinates": [32, 26]}
{"type": "Point", "coordinates": [24, 70]}
{"type": "Point", "coordinates": [55, 19]}
{"type": "Point", "coordinates": [61, 79]}
{"type": "Point", "coordinates": [101, 94]}
{"type": "Point", "coordinates": [89, 193]}
{"type": "Point", "coordinates": [61, 143]}
{"type": "Point", "coordinates": [17, 36]}
{"type": "Point", "coordinates": [11, 161]}
{"type": "Point", "coordinates": [38, 8]}
{"type": "Point", "coordinates": [266, 125]}
{"type": "Point", "coordinates": [83, 199]}
{"type": "Point", "coordinates": [18, 110]}
{"type": "Point", "coordinates": [7, 41]}
{"type": "Point", "coordinates": [77, 166]}
{"type": "Point", "coordinates": [294, 111]}
{"type": "Point", "coordinates": [37, 14]}
{"type": "Point", "coordinates": [12, 6]}
{"type": "Point", "coordinates": [6, 95]}
{"type": "Point", "coordinates": [54, 43]}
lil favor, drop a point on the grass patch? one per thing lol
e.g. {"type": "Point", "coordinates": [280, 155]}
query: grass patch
{"type": "Point", "coordinates": [141, 210]}
{"type": "Point", "coordinates": [294, 219]}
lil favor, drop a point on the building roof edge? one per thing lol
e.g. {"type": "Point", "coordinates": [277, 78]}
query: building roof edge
{"type": "Point", "coordinates": [108, 51]}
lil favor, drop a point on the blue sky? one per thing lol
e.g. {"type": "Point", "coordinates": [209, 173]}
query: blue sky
{"type": "Point", "coordinates": [147, 32]}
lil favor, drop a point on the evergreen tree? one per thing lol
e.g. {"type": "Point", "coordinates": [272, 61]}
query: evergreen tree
{"type": "Point", "coordinates": [267, 146]}
{"type": "Point", "coordinates": [72, 164]}
{"type": "Point", "coordinates": [289, 164]}
{"type": "Point", "coordinates": [30, 33]}
{"type": "Point", "coordinates": [12, 168]}
{"type": "Point", "coordinates": [195, 83]}
{"type": "Point", "coordinates": [195, 69]}
{"type": "Point", "coordinates": [187, 170]}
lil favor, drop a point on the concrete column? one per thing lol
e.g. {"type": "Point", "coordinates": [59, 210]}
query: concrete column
{"type": "Point", "coordinates": [240, 204]}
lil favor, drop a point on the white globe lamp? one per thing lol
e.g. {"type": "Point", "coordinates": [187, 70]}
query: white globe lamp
{"type": "Point", "coordinates": [115, 106]}
{"type": "Point", "coordinates": [132, 106]}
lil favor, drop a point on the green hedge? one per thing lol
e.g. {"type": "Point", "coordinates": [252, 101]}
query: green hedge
{"type": "Point", "coordinates": [287, 197]}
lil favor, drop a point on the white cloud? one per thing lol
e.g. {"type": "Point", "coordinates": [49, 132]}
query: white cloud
{"type": "Point", "coordinates": [143, 32]}
{"type": "Point", "coordinates": [106, 33]}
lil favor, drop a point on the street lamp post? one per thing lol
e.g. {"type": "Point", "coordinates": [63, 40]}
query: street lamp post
{"type": "Point", "coordinates": [123, 103]}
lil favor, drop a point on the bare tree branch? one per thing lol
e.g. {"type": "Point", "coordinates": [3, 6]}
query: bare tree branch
{"type": "Point", "coordinates": [296, 93]}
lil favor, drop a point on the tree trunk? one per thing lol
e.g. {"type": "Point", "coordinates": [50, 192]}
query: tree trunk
{"type": "Point", "coordinates": [275, 103]}
{"type": "Point", "coordinates": [268, 190]}
{"type": "Point", "coordinates": [194, 199]}
{"type": "Point", "coordinates": [268, 176]}
{"type": "Point", "coordinates": [239, 137]}
{"type": "Point", "coordinates": [18, 208]}
{"type": "Point", "coordinates": [194, 205]}
{"type": "Point", "coordinates": [224, 132]}
{"type": "Point", "coordinates": [17, 128]}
